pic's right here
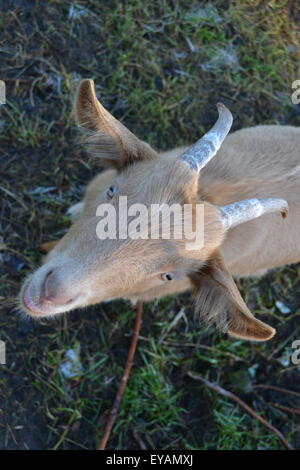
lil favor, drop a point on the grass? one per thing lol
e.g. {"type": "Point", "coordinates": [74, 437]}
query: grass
{"type": "Point", "coordinates": [159, 67]}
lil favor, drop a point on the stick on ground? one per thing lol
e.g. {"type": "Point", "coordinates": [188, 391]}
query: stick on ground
{"type": "Point", "coordinates": [278, 389]}
{"type": "Point", "coordinates": [294, 411]}
{"type": "Point", "coordinates": [129, 363]}
{"type": "Point", "coordinates": [242, 404]}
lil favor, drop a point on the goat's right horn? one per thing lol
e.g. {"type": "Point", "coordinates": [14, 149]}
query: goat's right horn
{"type": "Point", "coordinates": [248, 209]}
{"type": "Point", "coordinates": [206, 148]}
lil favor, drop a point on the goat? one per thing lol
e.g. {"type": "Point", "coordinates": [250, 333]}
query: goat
{"type": "Point", "coordinates": [254, 178]}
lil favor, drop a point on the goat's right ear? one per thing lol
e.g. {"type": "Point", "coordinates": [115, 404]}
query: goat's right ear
{"type": "Point", "coordinates": [218, 301]}
{"type": "Point", "coordinates": [108, 138]}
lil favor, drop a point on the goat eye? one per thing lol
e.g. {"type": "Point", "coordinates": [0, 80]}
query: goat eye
{"type": "Point", "coordinates": [111, 192]}
{"type": "Point", "coordinates": [167, 276]}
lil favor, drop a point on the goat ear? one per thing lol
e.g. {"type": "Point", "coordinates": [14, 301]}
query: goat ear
{"type": "Point", "coordinates": [217, 300]}
{"type": "Point", "coordinates": [107, 137]}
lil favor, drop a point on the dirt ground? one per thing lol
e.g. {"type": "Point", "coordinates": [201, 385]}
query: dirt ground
{"type": "Point", "coordinates": [159, 67]}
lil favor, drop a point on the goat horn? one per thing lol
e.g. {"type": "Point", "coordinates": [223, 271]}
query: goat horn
{"type": "Point", "coordinates": [248, 209]}
{"type": "Point", "coordinates": [206, 148]}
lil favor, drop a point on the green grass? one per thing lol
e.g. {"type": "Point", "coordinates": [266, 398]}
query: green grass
{"type": "Point", "coordinates": [160, 68]}
{"type": "Point", "coordinates": [236, 432]}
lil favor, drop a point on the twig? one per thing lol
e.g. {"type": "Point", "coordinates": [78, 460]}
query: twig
{"type": "Point", "coordinates": [277, 389]}
{"type": "Point", "coordinates": [294, 411]}
{"type": "Point", "coordinates": [139, 440]}
{"type": "Point", "coordinates": [242, 404]}
{"type": "Point", "coordinates": [177, 318]}
{"type": "Point", "coordinates": [16, 198]}
{"type": "Point", "coordinates": [129, 363]}
{"type": "Point", "coordinates": [281, 345]}
{"type": "Point", "coordinates": [177, 344]}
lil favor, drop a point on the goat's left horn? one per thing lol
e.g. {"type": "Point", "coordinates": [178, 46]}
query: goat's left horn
{"type": "Point", "coordinates": [243, 211]}
{"type": "Point", "coordinates": [206, 148]}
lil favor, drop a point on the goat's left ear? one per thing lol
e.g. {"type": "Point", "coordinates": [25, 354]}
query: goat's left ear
{"type": "Point", "coordinates": [218, 301]}
{"type": "Point", "coordinates": [107, 137]}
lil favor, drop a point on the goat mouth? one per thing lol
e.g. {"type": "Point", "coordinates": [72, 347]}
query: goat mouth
{"type": "Point", "coordinates": [27, 302]}
{"type": "Point", "coordinates": [35, 305]}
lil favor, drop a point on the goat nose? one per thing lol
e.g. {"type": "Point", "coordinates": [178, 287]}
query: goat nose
{"type": "Point", "coordinates": [51, 291]}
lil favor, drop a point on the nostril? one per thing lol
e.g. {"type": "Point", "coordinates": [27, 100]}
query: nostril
{"type": "Point", "coordinates": [52, 290]}
{"type": "Point", "coordinates": [46, 294]}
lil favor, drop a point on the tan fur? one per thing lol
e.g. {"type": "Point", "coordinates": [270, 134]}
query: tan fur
{"type": "Point", "coordinates": [262, 161]}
